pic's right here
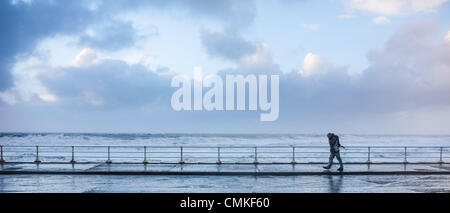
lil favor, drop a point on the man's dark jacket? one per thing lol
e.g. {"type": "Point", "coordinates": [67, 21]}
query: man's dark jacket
{"type": "Point", "coordinates": [334, 143]}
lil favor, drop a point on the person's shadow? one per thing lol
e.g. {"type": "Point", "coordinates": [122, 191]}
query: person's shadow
{"type": "Point", "coordinates": [334, 183]}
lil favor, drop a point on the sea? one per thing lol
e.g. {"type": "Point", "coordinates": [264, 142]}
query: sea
{"type": "Point", "coordinates": [141, 139]}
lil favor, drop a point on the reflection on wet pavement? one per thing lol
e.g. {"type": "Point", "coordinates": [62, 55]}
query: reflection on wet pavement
{"type": "Point", "coordinates": [227, 184]}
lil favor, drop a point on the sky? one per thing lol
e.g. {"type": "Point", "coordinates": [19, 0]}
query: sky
{"type": "Point", "coordinates": [347, 66]}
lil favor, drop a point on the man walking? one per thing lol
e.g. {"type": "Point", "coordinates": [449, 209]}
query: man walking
{"type": "Point", "coordinates": [333, 140]}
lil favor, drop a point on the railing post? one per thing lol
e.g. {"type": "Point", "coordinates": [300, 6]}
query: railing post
{"type": "Point", "coordinates": [293, 155]}
{"type": "Point", "coordinates": [440, 155]}
{"type": "Point", "coordinates": [73, 156]}
{"type": "Point", "coordinates": [181, 156]}
{"type": "Point", "coordinates": [109, 161]}
{"type": "Point", "coordinates": [218, 156]}
{"type": "Point", "coordinates": [1, 155]}
{"type": "Point", "coordinates": [145, 155]}
{"type": "Point", "coordinates": [406, 154]}
{"type": "Point", "coordinates": [368, 156]}
{"type": "Point", "coordinates": [256, 156]}
{"type": "Point", "coordinates": [37, 155]}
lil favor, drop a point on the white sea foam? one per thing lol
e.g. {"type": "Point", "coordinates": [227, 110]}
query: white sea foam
{"type": "Point", "coordinates": [69, 139]}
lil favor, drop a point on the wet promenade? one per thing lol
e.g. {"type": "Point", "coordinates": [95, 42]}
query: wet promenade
{"type": "Point", "coordinates": [223, 169]}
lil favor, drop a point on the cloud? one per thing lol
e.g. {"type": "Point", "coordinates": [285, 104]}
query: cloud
{"type": "Point", "coordinates": [85, 57]}
{"type": "Point", "coordinates": [25, 23]}
{"type": "Point", "coordinates": [234, 14]}
{"type": "Point", "coordinates": [381, 20]}
{"type": "Point", "coordinates": [110, 36]}
{"type": "Point", "coordinates": [260, 61]}
{"type": "Point", "coordinates": [447, 37]}
{"type": "Point", "coordinates": [27, 88]}
{"type": "Point", "coordinates": [91, 83]}
{"type": "Point", "coordinates": [395, 7]}
{"type": "Point", "coordinates": [224, 45]}
{"type": "Point", "coordinates": [313, 64]}
{"type": "Point", "coordinates": [250, 57]}
{"type": "Point", "coordinates": [409, 73]}
{"type": "Point", "coordinates": [237, 14]}
{"type": "Point", "coordinates": [106, 84]}
{"type": "Point", "coordinates": [411, 70]}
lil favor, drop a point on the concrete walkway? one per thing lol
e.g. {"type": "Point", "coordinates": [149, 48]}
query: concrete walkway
{"type": "Point", "coordinates": [224, 169]}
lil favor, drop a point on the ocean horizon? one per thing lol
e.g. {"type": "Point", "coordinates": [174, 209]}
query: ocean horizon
{"type": "Point", "coordinates": [212, 139]}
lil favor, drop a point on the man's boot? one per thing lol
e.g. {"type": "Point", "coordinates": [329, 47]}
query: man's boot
{"type": "Point", "coordinates": [341, 169]}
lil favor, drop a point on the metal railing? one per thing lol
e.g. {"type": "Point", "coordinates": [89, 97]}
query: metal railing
{"type": "Point", "coordinates": [221, 154]}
